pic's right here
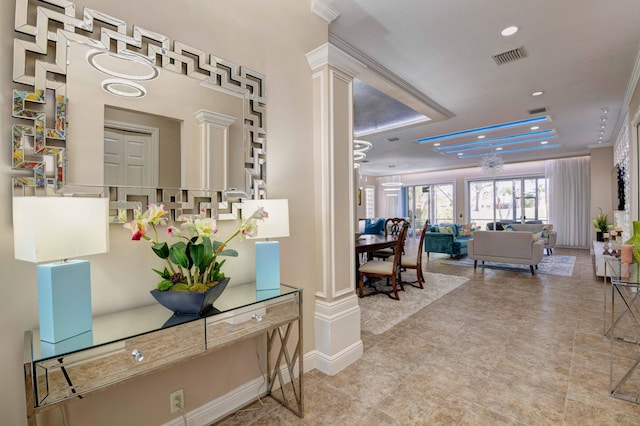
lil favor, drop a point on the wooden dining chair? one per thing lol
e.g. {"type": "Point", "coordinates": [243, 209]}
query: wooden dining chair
{"type": "Point", "coordinates": [385, 269]}
{"type": "Point", "coordinates": [415, 262]}
{"type": "Point", "coordinates": [392, 227]}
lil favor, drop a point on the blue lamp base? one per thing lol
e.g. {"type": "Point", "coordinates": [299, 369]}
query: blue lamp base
{"type": "Point", "coordinates": [64, 300]}
{"type": "Point", "coordinates": [267, 265]}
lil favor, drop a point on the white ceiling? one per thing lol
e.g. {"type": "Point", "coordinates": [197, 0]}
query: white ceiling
{"type": "Point", "coordinates": [581, 53]}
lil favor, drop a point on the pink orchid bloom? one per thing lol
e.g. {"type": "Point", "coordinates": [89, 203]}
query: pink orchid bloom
{"type": "Point", "coordinates": [260, 214]}
{"type": "Point", "coordinates": [251, 228]}
{"type": "Point", "coordinates": [206, 227]}
{"type": "Point", "coordinates": [173, 231]}
{"type": "Point", "coordinates": [156, 214]}
{"type": "Point", "coordinates": [138, 228]}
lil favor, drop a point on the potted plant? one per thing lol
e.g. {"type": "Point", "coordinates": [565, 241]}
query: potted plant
{"type": "Point", "coordinates": [602, 225]}
{"type": "Point", "coordinates": [192, 278]}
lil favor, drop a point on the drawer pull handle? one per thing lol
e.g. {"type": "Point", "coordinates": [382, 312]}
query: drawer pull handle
{"type": "Point", "coordinates": [137, 355]}
{"type": "Point", "coordinates": [256, 317]}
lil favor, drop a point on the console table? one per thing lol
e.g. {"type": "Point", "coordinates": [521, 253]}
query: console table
{"type": "Point", "coordinates": [624, 332]}
{"type": "Point", "coordinates": [130, 343]}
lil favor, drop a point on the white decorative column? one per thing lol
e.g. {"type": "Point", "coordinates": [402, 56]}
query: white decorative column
{"type": "Point", "coordinates": [214, 149]}
{"type": "Point", "coordinates": [337, 312]}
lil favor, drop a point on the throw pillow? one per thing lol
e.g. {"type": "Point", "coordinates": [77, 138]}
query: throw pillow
{"type": "Point", "coordinates": [446, 229]}
{"type": "Point", "coordinates": [537, 236]}
{"type": "Point", "coordinates": [546, 230]}
{"type": "Point", "coordinates": [466, 230]}
{"type": "Point", "coordinates": [508, 227]}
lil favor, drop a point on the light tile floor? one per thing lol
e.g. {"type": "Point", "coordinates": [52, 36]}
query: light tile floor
{"type": "Point", "coordinates": [503, 348]}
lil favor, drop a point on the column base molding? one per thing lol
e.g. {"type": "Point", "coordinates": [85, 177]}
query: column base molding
{"type": "Point", "coordinates": [337, 334]}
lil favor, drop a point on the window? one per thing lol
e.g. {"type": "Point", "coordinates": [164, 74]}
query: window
{"type": "Point", "coordinates": [369, 201]}
{"type": "Point", "coordinates": [520, 199]}
{"type": "Point", "coordinates": [433, 202]}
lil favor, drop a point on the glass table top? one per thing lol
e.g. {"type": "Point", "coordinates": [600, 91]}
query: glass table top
{"type": "Point", "coordinates": [622, 273]}
{"type": "Point", "coordinates": [117, 326]}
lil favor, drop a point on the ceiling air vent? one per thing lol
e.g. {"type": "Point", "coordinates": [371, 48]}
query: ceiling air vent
{"type": "Point", "coordinates": [393, 139]}
{"type": "Point", "coordinates": [509, 56]}
{"type": "Point", "coordinates": [537, 110]}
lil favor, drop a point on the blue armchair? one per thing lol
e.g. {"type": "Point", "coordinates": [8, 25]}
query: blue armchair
{"type": "Point", "coordinates": [374, 226]}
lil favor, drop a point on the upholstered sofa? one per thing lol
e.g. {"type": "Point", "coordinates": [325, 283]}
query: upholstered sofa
{"type": "Point", "coordinates": [506, 247]}
{"type": "Point", "coordinates": [453, 243]}
{"type": "Point", "coordinates": [549, 237]}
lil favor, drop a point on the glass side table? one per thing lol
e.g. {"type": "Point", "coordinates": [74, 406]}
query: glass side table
{"type": "Point", "coordinates": [612, 270]}
{"type": "Point", "coordinates": [624, 332]}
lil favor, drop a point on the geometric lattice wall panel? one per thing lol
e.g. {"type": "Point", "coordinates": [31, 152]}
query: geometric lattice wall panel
{"type": "Point", "coordinates": [124, 200]}
{"type": "Point", "coordinates": [44, 31]}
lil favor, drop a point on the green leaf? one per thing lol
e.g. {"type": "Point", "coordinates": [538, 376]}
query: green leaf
{"type": "Point", "coordinates": [164, 274]}
{"type": "Point", "coordinates": [197, 254]}
{"type": "Point", "coordinates": [228, 252]}
{"type": "Point", "coordinates": [178, 255]}
{"type": "Point", "coordinates": [164, 285]}
{"type": "Point", "coordinates": [161, 250]}
{"type": "Point", "coordinates": [215, 245]}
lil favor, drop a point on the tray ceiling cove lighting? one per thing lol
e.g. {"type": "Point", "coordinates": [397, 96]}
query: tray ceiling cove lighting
{"type": "Point", "coordinates": [485, 129]}
{"type": "Point", "coordinates": [60, 228]}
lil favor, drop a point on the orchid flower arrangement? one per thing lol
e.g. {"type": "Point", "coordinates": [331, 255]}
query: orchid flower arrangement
{"type": "Point", "coordinates": [191, 262]}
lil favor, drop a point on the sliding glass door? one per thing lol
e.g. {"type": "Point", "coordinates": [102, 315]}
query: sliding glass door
{"type": "Point", "coordinates": [433, 202]}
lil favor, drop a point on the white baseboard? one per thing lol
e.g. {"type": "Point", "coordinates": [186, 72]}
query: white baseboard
{"type": "Point", "coordinates": [334, 364]}
{"type": "Point", "coordinates": [237, 398]}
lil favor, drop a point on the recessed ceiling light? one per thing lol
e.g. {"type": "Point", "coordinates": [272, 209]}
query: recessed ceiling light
{"type": "Point", "coordinates": [460, 153]}
{"type": "Point", "coordinates": [537, 93]}
{"type": "Point", "coordinates": [481, 137]}
{"type": "Point", "coordinates": [544, 142]}
{"type": "Point", "coordinates": [605, 110]}
{"type": "Point", "coordinates": [603, 118]}
{"type": "Point", "coordinates": [499, 149]}
{"type": "Point", "coordinates": [436, 144]}
{"type": "Point", "coordinates": [535, 127]}
{"type": "Point", "coordinates": [509, 31]}
{"type": "Point", "coordinates": [602, 126]}
{"type": "Point", "coordinates": [601, 132]}
{"type": "Point", "coordinates": [599, 141]}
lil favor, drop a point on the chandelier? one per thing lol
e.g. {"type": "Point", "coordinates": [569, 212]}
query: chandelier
{"type": "Point", "coordinates": [492, 164]}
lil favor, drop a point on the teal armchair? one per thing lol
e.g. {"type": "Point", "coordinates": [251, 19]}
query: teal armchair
{"type": "Point", "coordinates": [453, 244]}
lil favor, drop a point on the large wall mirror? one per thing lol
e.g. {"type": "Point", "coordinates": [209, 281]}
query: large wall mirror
{"type": "Point", "coordinates": [99, 103]}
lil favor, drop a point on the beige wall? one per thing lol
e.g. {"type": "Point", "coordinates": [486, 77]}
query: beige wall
{"type": "Point", "coordinates": [269, 37]}
{"type": "Point", "coordinates": [601, 189]}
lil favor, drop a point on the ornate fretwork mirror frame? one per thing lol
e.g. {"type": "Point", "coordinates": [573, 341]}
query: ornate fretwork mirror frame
{"type": "Point", "coordinates": [44, 30]}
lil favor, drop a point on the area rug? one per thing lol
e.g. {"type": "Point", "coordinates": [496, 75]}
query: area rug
{"type": "Point", "coordinates": [379, 313]}
{"type": "Point", "coordinates": [549, 265]}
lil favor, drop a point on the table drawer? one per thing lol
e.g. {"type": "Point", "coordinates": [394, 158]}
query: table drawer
{"type": "Point", "coordinates": [85, 371]}
{"type": "Point", "coordinates": [223, 330]}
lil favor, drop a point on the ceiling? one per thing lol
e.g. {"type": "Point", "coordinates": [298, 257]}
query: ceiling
{"type": "Point", "coordinates": [431, 62]}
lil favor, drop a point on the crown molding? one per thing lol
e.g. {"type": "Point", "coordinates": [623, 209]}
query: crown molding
{"type": "Point", "coordinates": [328, 54]}
{"type": "Point", "coordinates": [324, 11]}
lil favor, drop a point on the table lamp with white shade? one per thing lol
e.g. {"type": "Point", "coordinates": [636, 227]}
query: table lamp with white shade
{"type": "Point", "coordinates": [268, 252]}
{"type": "Point", "coordinates": [57, 228]}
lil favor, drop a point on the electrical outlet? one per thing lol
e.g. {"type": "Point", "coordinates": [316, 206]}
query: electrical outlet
{"type": "Point", "coordinates": [176, 401]}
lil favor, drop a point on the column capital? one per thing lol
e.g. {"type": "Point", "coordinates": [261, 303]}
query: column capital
{"type": "Point", "coordinates": [328, 54]}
